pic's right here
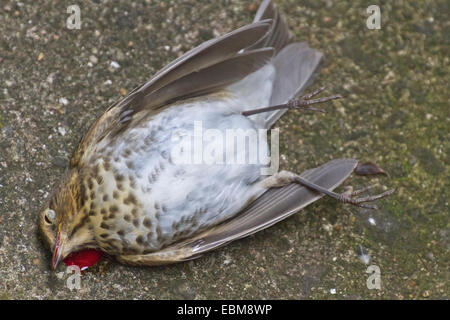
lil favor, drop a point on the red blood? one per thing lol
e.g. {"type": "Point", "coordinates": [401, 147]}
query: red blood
{"type": "Point", "coordinates": [83, 259]}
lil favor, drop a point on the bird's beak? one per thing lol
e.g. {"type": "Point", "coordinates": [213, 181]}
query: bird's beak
{"type": "Point", "coordinates": [57, 253]}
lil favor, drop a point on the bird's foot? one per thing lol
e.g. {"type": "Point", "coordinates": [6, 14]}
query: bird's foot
{"type": "Point", "coordinates": [348, 196]}
{"type": "Point", "coordinates": [305, 101]}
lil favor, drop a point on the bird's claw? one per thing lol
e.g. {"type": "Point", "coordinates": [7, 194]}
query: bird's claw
{"type": "Point", "coordinates": [305, 101]}
{"type": "Point", "coordinates": [348, 197]}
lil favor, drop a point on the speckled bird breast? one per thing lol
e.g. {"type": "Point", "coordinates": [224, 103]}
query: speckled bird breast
{"type": "Point", "coordinates": [142, 200]}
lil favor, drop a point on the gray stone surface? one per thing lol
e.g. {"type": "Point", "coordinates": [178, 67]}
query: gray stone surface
{"type": "Point", "coordinates": [54, 82]}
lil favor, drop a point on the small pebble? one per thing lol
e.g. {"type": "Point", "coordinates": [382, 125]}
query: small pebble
{"type": "Point", "coordinates": [115, 65]}
{"type": "Point", "coordinates": [63, 101]}
{"type": "Point", "coordinates": [93, 59]}
{"type": "Point", "coordinates": [62, 131]}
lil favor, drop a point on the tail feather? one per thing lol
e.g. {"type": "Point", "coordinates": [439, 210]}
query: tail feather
{"type": "Point", "coordinates": [295, 63]}
{"type": "Point", "coordinates": [294, 70]}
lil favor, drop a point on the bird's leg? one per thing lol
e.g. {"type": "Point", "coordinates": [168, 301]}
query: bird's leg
{"type": "Point", "coordinates": [304, 103]}
{"type": "Point", "coordinates": [285, 177]}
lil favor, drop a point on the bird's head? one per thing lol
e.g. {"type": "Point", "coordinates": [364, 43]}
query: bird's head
{"type": "Point", "coordinates": [64, 222]}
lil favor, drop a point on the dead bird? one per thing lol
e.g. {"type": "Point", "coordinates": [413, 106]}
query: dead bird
{"type": "Point", "coordinates": [124, 193]}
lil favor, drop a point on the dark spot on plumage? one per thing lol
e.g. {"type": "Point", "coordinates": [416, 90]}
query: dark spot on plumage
{"type": "Point", "coordinates": [126, 153]}
{"type": "Point", "coordinates": [184, 233]}
{"type": "Point", "coordinates": [115, 195]}
{"type": "Point", "coordinates": [132, 182]}
{"type": "Point", "coordinates": [83, 194]}
{"type": "Point", "coordinates": [127, 218]}
{"type": "Point", "coordinates": [131, 199]}
{"type": "Point", "coordinates": [116, 159]}
{"type": "Point", "coordinates": [134, 212]}
{"type": "Point", "coordinates": [119, 177]}
{"type": "Point", "coordinates": [104, 225]}
{"type": "Point", "coordinates": [92, 195]}
{"type": "Point", "coordinates": [179, 172]}
{"type": "Point", "coordinates": [148, 140]}
{"type": "Point", "coordinates": [113, 209]}
{"type": "Point", "coordinates": [111, 216]}
{"type": "Point", "coordinates": [99, 179]}
{"type": "Point", "coordinates": [92, 206]}
{"type": "Point", "coordinates": [103, 211]}
{"type": "Point", "coordinates": [105, 197]}
{"type": "Point", "coordinates": [96, 169]}
{"type": "Point", "coordinates": [90, 184]}
{"type": "Point", "coordinates": [120, 186]}
{"type": "Point", "coordinates": [104, 235]}
{"type": "Point", "coordinates": [156, 206]}
{"type": "Point", "coordinates": [130, 165]}
{"type": "Point", "coordinates": [92, 213]}
{"type": "Point", "coordinates": [147, 223]}
{"type": "Point", "coordinates": [109, 152]}
{"type": "Point", "coordinates": [107, 164]}
{"type": "Point", "coordinates": [140, 240]}
{"type": "Point", "coordinates": [136, 222]}
{"type": "Point", "coordinates": [121, 233]}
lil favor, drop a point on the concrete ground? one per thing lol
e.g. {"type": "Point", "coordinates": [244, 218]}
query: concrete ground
{"type": "Point", "coordinates": [55, 81]}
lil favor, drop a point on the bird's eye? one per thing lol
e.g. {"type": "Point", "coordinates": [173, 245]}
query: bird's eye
{"type": "Point", "coordinates": [50, 216]}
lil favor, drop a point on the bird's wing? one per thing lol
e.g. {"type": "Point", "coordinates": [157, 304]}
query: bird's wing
{"type": "Point", "coordinates": [204, 69]}
{"type": "Point", "coordinates": [273, 206]}
{"type": "Point", "coordinates": [278, 36]}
